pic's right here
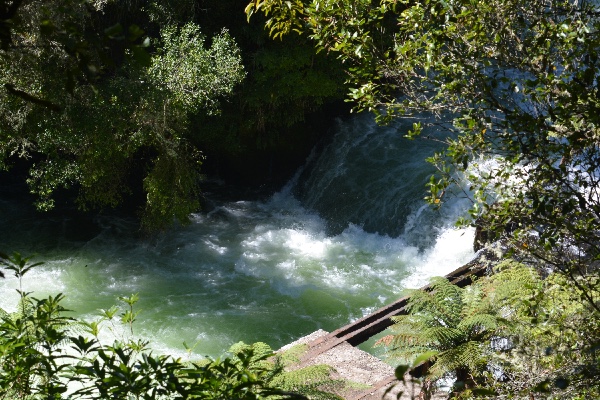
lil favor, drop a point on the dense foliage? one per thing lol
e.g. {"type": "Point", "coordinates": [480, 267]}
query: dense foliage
{"type": "Point", "coordinates": [508, 335]}
{"type": "Point", "coordinates": [119, 100]}
{"type": "Point", "coordinates": [514, 84]}
{"type": "Point", "coordinates": [87, 116]}
{"type": "Point", "coordinates": [45, 354]}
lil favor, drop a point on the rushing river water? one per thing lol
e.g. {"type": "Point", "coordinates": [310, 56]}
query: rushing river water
{"type": "Point", "coordinates": [342, 238]}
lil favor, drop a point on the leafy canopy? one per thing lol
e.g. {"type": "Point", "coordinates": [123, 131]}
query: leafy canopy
{"type": "Point", "coordinates": [99, 107]}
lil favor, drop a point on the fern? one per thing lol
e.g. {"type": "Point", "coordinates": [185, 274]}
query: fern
{"type": "Point", "coordinates": [456, 324]}
{"type": "Point", "coordinates": [314, 382]}
{"type": "Point", "coordinates": [460, 328]}
{"type": "Point", "coordinates": [479, 323]}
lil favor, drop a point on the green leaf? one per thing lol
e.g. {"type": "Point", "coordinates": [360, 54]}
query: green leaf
{"type": "Point", "coordinates": [141, 56]}
{"type": "Point", "coordinates": [135, 32]}
{"type": "Point", "coordinates": [400, 371]}
{"type": "Point", "coordinates": [424, 357]}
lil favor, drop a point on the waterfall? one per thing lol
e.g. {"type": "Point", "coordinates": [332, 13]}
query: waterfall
{"type": "Point", "coordinates": [374, 177]}
{"type": "Point", "coordinates": [342, 238]}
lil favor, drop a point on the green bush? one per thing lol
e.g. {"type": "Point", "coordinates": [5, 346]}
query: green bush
{"type": "Point", "coordinates": [46, 355]}
{"type": "Point", "coordinates": [513, 334]}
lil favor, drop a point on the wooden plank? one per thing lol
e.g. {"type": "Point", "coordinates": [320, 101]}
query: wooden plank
{"type": "Point", "coordinates": [375, 388]}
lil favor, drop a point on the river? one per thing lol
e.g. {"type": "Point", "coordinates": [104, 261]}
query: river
{"type": "Point", "coordinates": [344, 237]}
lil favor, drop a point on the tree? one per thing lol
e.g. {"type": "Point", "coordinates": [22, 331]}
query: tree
{"type": "Point", "coordinates": [278, 113]}
{"type": "Point", "coordinates": [57, 34]}
{"type": "Point", "coordinates": [82, 64]}
{"type": "Point", "coordinates": [94, 110]}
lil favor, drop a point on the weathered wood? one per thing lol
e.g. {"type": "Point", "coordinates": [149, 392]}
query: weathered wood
{"type": "Point", "coordinates": [374, 388]}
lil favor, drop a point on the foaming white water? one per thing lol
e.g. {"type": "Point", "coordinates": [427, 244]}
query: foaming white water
{"type": "Point", "coordinates": [44, 280]}
{"type": "Point", "coordinates": [318, 254]}
{"type": "Point", "coordinates": [353, 260]}
{"type": "Point", "coordinates": [453, 247]}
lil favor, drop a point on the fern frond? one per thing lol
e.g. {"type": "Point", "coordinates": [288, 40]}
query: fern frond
{"type": "Point", "coordinates": [25, 308]}
{"type": "Point", "coordinates": [459, 323]}
{"type": "Point", "coordinates": [407, 355]}
{"type": "Point", "coordinates": [478, 323]}
{"type": "Point", "coordinates": [444, 301]}
{"type": "Point", "coordinates": [258, 353]}
{"type": "Point", "coordinates": [513, 281]}
{"type": "Point", "coordinates": [408, 319]}
{"type": "Point", "coordinates": [411, 334]}
{"type": "Point", "coordinates": [384, 341]}
{"type": "Point", "coordinates": [313, 381]}
{"type": "Point", "coordinates": [259, 349]}
{"type": "Point", "coordinates": [408, 339]}
{"type": "Point", "coordinates": [469, 355]}
{"type": "Point", "coordinates": [444, 336]}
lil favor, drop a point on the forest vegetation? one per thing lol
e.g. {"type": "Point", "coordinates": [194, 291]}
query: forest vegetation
{"type": "Point", "coordinates": [519, 82]}
{"type": "Point", "coordinates": [110, 99]}
{"type": "Point", "coordinates": [116, 99]}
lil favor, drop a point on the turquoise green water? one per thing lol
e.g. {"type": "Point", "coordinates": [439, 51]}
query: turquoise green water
{"type": "Point", "coordinates": [267, 271]}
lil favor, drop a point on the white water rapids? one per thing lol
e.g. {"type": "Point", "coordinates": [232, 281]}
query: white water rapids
{"type": "Point", "coordinates": [342, 239]}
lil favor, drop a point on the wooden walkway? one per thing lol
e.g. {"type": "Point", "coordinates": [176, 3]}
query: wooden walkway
{"type": "Point", "coordinates": [364, 328]}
